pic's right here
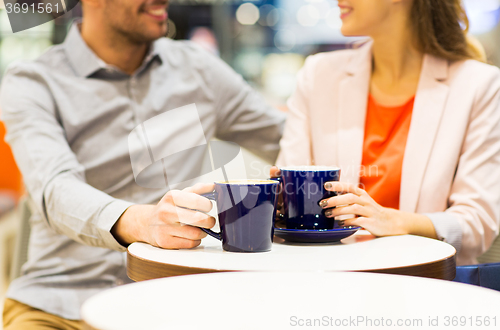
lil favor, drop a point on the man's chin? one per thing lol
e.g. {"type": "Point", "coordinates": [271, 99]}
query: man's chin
{"type": "Point", "coordinates": [156, 32]}
{"type": "Point", "coordinates": [147, 37]}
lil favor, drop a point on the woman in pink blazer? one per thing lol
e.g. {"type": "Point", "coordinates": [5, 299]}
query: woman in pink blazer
{"type": "Point", "coordinates": [450, 171]}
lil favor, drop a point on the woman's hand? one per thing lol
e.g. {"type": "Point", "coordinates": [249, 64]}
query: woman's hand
{"type": "Point", "coordinates": [275, 172]}
{"type": "Point", "coordinates": [378, 220]}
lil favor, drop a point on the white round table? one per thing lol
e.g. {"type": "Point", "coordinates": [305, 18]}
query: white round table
{"type": "Point", "coordinates": [405, 255]}
{"type": "Point", "coordinates": [281, 300]}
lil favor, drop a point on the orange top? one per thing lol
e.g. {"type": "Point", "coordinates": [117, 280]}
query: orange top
{"type": "Point", "coordinates": [386, 131]}
{"type": "Point", "coordinates": [10, 177]}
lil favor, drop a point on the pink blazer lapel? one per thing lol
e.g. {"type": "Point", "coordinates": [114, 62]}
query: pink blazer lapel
{"type": "Point", "coordinates": [429, 106]}
{"type": "Point", "coordinates": [353, 101]}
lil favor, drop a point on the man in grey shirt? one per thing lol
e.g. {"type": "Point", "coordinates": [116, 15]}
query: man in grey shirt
{"type": "Point", "coordinates": [72, 116]}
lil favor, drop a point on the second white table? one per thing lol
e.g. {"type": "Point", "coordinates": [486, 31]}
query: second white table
{"type": "Point", "coordinates": [248, 300]}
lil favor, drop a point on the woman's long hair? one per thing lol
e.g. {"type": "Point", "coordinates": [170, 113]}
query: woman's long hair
{"type": "Point", "coordinates": [441, 28]}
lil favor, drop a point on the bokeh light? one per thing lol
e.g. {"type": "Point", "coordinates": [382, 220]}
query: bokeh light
{"type": "Point", "coordinates": [308, 15]}
{"type": "Point", "coordinates": [247, 14]}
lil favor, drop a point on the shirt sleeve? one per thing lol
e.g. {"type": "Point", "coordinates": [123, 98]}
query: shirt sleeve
{"type": "Point", "coordinates": [243, 116]}
{"type": "Point", "coordinates": [447, 228]}
{"type": "Point", "coordinates": [471, 222]}
{"type": "Point", "coordinates": [53, 176]}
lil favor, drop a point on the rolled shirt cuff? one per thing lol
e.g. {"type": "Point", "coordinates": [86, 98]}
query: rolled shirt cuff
{"type": "Point", "coordinates": [447, 228]}
{"type": "Point", "coordinates": [110, 215]}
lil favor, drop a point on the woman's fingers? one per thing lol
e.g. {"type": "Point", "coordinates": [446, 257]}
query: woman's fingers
{"type": "Point", "coordinates": [342, 187]}
{"type": "Point", "coordinates": [346, 199]}
{"type": "Point", "coordinates": [360, 221]}
{"type": "Point", "coordinates": [274, 172]}
{"type": "Point", "coordinates": [355, 209]}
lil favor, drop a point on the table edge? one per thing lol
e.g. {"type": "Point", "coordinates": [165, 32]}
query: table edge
{"type": "Point", "coordinates": [140, 269]}
{"type": "Point", "coordinates": [87, 326]}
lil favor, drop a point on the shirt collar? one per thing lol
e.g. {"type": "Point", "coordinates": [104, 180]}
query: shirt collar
{"type": "Point", "coordinates": [85, 62]}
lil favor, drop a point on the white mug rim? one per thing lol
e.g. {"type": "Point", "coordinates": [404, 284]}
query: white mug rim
{"type": "Point", "coordinates": [309, 168]}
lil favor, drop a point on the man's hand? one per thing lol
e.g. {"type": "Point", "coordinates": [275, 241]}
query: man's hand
{"type": "Point", "coordinates": [172, 223]}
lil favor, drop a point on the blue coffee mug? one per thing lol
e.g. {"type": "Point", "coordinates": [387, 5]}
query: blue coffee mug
{"type": "Point", "coordinates": [246, 210]}
{"type": "Point", "coordinates": [303, 189]}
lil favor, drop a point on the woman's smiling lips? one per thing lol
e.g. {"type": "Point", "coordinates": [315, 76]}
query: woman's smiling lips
{"type": "Point", "coordinates": [345, 11]}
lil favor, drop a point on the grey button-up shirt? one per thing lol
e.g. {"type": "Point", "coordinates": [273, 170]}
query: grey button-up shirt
{"type": "Point", "coordinates": [75, 124]}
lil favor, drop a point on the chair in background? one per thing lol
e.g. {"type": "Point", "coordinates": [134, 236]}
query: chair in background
{"type": "Point", "coordinates": [493, 253]}
{"type": "Point", "coordinates": [484, 275]}
{"type": "Point", "coordinates": [8, 233]}
{"type": "Point", "coordinates": [487, 273]}
{"type": "Point", "coordinates": [11, 189]}
{"type": "Point", "coordinates": [10, 177]}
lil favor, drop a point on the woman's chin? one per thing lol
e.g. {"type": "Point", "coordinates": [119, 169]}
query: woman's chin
{"type": "Point", "coordinates": [346, 31]}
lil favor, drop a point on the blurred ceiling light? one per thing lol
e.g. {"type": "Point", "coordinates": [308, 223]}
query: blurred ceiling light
{"type": "Point", "coordinates": [264, 12]}
{"type": "Point", "coordinates": [249, 64]}
{"type": "Point", "coordinates": [247, 14]}
{"type": "Point", "coordinates": [323, 8]}
{"type": "Point", "coordinates": [273, 17]}
{"type": "Point", "coordinates": [279, 73]}
{"type": "Point", "coordinates": [308, 15]}
{"type": "Point", "coordinates": [484, 15]}
{"type": "Point", "coordinates": [284, 40]}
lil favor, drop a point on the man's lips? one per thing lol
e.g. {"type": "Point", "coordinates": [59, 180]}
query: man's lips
{"type": "Point", "coordinates": [157, 12]}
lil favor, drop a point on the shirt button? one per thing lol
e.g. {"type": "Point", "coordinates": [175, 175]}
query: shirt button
{"type": "Point", "coordinates": [119, 282]}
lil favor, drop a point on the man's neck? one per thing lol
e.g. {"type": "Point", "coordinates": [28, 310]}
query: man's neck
{"type": "Point", "coordinates": [113, 48]}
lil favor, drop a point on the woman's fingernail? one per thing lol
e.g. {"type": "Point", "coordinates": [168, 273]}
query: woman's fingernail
{"type": "Point", "coordinates": [328, 185]}
{"type": "Point", "coordinates": [323, 203]}
{"type": "Point", "coordinates": [328, 213]}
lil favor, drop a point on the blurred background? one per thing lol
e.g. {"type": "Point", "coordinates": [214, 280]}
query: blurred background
{"type": "Point", "coordinates": [264, 40]}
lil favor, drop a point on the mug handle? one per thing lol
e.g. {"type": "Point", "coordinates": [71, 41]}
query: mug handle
{"type": "Point", "coordinates": [212, 196]}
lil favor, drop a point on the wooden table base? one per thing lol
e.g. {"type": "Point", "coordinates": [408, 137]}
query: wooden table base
{"type": "Point", "coordinates": [139, 269]}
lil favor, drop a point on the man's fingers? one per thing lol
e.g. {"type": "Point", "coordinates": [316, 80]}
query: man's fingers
{"type": "Point", "coordinates": [187, 199]}
{"type": "Point", "coordinates": [195, 218]}
{"type": "Point", "coordinates": [187, 232]}
{"type": "Point", "coordinates": [201, 188]}
{"type": "Point", "coordinates": [174, 242]}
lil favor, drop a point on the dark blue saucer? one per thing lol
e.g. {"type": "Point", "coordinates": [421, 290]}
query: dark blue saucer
{"type": "Point", "coordinates": [315, 235]}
